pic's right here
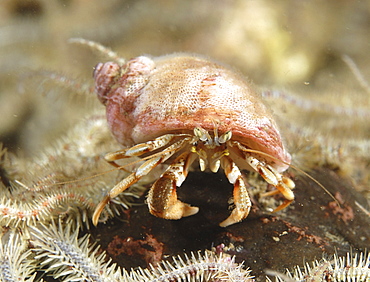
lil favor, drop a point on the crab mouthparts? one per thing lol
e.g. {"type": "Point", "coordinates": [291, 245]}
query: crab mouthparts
{"type": "Point", "coordinates": [210, 150]}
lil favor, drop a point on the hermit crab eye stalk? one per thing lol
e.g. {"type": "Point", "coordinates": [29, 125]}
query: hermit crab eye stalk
{"type": "Point", "coordinates": [225, 137]}
{"type": "Point", "coordinates": [202, 135]}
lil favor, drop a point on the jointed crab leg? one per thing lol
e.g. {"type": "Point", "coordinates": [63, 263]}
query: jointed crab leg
{"type": "Point", "coordinates": [274, 178]}
{"type": "Point", "coordinates": [162, 198]}
{"type": "Point", "coordinates": [141, 148]}
{"type": "Point", "coordinates": [241, 198]}
{"type": "Point", "coordinates": [141, 171]}
{"type": "Point", "coordinates": [283, 184]}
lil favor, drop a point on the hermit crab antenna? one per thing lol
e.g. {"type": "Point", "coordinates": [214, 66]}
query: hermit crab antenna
{"type": "Point", "coordinates": [356, 72]}
{"type": "Point", "coordinates": [97, 46]}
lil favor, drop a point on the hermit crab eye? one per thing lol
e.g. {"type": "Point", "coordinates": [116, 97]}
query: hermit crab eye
{"type": "Point", "coordinates": [202, 134]}
{"type": "Point", "coordinates": [225, 137]}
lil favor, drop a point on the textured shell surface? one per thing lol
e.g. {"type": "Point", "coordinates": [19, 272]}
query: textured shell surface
{"type": "Point", "coordinates": [147, 98]}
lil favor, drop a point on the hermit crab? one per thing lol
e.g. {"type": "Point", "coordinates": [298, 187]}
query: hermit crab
{"type": "Point", "coordinates": [181, 108]}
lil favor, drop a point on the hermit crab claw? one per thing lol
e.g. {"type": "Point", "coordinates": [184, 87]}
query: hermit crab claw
{"type": "Point", "coordinates": [144, 168]}
{"type": "Point", "coordinates": [212, 151]}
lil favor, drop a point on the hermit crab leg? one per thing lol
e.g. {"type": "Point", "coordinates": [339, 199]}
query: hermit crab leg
{"type": "Point", "coordinates": [162, 199]}
{"type": "Point", "coordinates": [282, 184]}
{"type": "Point", "coordinates": [141, 148]}
{"type": "Point", "coordinates": [241, 198]}
{"type": "Point", "coordinates": [141, 171]}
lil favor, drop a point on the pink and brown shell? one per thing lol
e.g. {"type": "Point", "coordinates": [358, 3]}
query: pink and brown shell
{"type": "Point", "coordinates": [147, 98]}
